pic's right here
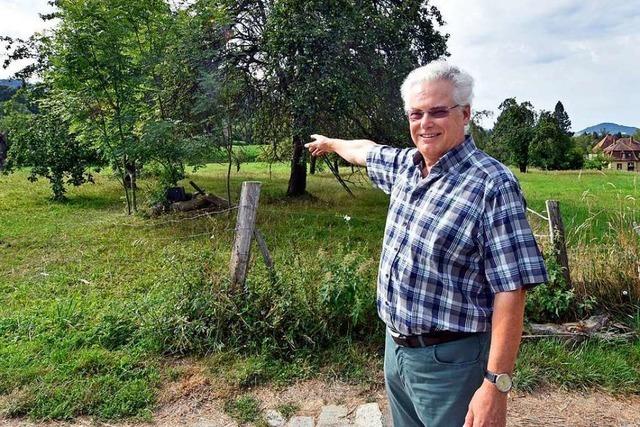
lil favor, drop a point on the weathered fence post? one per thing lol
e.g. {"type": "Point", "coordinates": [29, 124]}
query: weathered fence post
{"type": "Point", "coordinates": [245, 226]}
{"type": "Point", "coordinates": [556, 231]}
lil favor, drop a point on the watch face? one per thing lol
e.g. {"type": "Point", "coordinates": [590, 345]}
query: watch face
{"type": "Point", "coordinates": [503, 382]}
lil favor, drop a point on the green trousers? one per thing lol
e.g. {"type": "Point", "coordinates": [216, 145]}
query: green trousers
{"type": "Point", "coordinates": [432, 386]}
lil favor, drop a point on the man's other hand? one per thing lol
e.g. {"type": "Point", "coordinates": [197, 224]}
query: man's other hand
{"type": "Point", "coordinates": [488, 407]}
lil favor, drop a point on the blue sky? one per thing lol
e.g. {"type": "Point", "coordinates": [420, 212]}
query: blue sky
{"type": "Point", "coordinates": [584, 53]}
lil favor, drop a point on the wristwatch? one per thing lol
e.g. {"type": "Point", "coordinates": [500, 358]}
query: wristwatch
{"type": "Point", "coordinates": [502, 381]}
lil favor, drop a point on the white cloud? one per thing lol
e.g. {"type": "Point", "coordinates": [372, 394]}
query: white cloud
{"type": "Point", "coordinates": [19, 18]}
{"type": "Point", "coordinates": [585, 54]}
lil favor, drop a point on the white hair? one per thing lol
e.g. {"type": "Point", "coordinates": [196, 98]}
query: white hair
{"type": "Point", "coordinates": [440, 70]}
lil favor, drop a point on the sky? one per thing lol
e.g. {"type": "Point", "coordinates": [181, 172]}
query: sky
{"type": "Point", "coordinates": [584, 53]}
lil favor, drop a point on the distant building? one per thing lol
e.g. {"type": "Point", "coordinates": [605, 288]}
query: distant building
{"type": "Point", "coordinates": [623, 153]}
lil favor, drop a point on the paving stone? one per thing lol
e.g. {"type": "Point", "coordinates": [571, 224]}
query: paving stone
{"type": "Point", "coordinates": [369, 415]}
{"type": "Point", "coordinates": [274, 418]}
{"type": "Point", "coordinates": [333, 416]}
{"type": "Point", "coordinates": [300, 422]}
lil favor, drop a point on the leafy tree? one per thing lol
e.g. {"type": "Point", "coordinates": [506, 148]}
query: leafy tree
{"type": "Point", "coordinates": [43, 142]}
{"type": "Point", "coordinates": [332, 67]}
{"type": "Point", "coordinates": [513, 133]}
{"type": "Point", "coordinates": [480, 135]}
{"type": "Point", "coordinates": [584, 143]}
{"type": "Point", "coordinates": [551, 147]}
{"type": "Point", "coordinates": [107, 61]}
{"type": "Point", "coordinates": [636, 135]}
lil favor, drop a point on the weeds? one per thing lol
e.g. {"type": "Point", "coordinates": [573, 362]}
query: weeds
{"type": "Point", "coordinates": [245, 408]}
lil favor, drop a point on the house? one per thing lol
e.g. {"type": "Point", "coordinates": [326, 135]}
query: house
{"type": "Point", "coordinates": [623, 153]}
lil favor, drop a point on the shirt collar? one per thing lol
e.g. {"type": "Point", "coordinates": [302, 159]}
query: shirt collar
{"type": "Point", "coordinates": [451, 158]}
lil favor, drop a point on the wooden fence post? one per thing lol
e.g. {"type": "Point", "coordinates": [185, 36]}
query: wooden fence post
{"type": "Point", "coordinates": [556, 231]}
{"type": "Point", "coordinates": [245, 226]}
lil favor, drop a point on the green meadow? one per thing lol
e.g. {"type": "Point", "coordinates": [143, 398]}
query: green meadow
{"type": "Point", "coordinates": [95, 305]}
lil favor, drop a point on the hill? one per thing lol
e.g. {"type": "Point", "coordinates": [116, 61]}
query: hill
{"type": "Point", "coordinates": [15, 84]}
{"type": "Point", "coordinates": [611, 128]}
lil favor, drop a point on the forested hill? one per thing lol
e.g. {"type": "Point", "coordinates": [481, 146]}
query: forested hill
{"type": "Point", "coordinates": [11, 83]}
{"type": "Point", "coordinates": [611, 128]}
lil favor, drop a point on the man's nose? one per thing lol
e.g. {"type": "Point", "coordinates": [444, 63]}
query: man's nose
{"type": "Point", "coordinates": [426, 120]}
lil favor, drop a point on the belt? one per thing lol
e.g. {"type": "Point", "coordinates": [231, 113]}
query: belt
{"type": "Point", "coordinates": [427, 339]}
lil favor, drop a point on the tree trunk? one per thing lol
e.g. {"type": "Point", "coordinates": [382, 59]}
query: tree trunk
{"type": "Point", "coordinates": [3, 151]}
{"type": "Point", "coordinates": [298, 178]}
{"type": "Point", "coordinates": [523, 167]}
{"type": "Point", "coordinates": [312, 165]}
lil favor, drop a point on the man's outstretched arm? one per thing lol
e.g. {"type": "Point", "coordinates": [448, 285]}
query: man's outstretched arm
{"type": "Point", "coordinates": [353, 151]}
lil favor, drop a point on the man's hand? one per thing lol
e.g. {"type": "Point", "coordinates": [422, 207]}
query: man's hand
{"type": "Point", "coordinates": [353, 151]}
{"type": "Point", "coordinates": [488, 407]}
{"type": "Point", "coordinates": [321, 145]}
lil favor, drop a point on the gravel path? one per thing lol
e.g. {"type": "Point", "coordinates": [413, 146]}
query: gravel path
{"type": "Point", "coordinates": [197, 402]}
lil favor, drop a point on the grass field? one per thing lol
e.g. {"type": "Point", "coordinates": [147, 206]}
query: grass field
{"type": "Point", "coordinates": [94, 304]}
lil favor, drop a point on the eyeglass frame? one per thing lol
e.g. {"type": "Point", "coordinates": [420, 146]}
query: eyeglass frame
{"type": "Point", "coordinates": [445, 110]}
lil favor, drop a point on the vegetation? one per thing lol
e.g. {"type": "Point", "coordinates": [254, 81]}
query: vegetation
{"type": "Point", "coordinates": [94, 303]}
{"type": "Point", "coordinates": [166, 86]}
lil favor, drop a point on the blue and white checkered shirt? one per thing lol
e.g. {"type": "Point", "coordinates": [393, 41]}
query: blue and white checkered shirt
{"type": "Point", "coordinates": [452, 239]}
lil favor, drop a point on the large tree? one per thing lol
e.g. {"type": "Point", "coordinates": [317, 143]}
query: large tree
{"type": "Point", "coordinates": [550, 146]}
{"type": "Point", "coordinates": [332, 67]}
{"type": "Point", "coordinates": [514, 131]}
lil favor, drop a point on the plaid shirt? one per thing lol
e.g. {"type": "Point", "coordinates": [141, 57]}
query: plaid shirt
{"type": "Point", "coordinates": [452, 239]}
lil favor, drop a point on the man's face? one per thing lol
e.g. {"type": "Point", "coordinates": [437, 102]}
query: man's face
{"type": "Point", "coordinates": [435, 136]}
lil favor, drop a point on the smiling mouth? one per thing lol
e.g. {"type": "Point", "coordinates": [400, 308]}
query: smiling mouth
{"type": "Point", "coordinates": [429, 135]}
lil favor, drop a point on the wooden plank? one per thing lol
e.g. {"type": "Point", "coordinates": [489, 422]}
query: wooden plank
{"type": "Point", "coordinates": [245, 225]}
{"type": "Point", "coordinates": [264, 249]}
{"type": "Point", "coordinates": [557, 234]}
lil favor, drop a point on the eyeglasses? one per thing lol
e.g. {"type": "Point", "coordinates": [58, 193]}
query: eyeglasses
{"type": "Point", "coordinates": [434, 113]}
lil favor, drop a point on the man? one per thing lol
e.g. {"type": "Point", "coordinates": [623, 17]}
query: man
{"type": "Point", "coordinates": [457, 256]}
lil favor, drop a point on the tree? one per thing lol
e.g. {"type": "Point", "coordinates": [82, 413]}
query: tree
{"type": "Point", "coordinates": [332, 67]}
{"type": "Point", "coordinates": [550, 145]}
{"type": "Point", "coordinates": [562, 118]}
{"type": "Point", "coordinates": [513, 132]}
{"type": "Point", "coordinates": [104, 62]}
{"type": "Point", "coordinates": [636, 135]}
{"type": "Point", "coordinates": [480, 135]}
{"type": "Point", "coordinates": [43, 142]}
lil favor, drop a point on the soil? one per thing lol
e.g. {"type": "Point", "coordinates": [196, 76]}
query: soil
{"type": "Point", "coordinates": [197, 400]}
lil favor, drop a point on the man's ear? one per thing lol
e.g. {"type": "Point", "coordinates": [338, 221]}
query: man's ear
{"type": "Point", "coordinates": [466, 112]}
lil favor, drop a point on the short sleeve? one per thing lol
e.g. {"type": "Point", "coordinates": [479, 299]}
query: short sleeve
{"type": "Point", "coordinates": [384, 163]}
{"type": "Point", "coordinates": [512, 259]}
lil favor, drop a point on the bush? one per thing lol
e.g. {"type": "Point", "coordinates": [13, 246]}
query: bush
{"type": "Point", "coordinates": [274, 314]}
{"type": "Point", "coordinates": [555, 300]}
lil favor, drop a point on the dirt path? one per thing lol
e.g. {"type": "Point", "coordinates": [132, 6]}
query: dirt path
{"type": "Point", "coordinates": [196, 401]}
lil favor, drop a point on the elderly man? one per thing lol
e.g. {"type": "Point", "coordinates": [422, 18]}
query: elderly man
{"type": "Point", "coordinates": [457, 256]}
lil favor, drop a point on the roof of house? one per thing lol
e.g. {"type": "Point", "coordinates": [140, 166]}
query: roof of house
{"type": "Point", "coordinates": [617, 147]}
{"type": "Point", "coordinates": [624, 149]}
{"type": "Point", "coordinates": [604, 143]}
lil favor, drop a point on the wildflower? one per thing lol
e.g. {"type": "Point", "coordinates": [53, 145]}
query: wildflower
{"type": "Point", "coordinates": [625, 293]}
{"type": "Point", "coordinates": [347, 218]}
